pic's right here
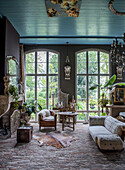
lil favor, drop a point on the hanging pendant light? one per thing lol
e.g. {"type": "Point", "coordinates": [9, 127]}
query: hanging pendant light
{"type": "Point", "coordinates": [67, 57]}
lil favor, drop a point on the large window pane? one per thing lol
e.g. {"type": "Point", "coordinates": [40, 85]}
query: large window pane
{"type": "Point", "coordinates": [81, 92]}
{"type": "Point", "coordinates": [41, 68]}
{"type": "Point", "coordinates": [41, 56]}
{"type": "Point", "coordinates": [30, 57]}
{"type": "Point", "coordinates": [93, 94]}
{"type": "Point", "coordinates": [41, 62]}
{"type": "Point", "coordinates": [30, 68]}
{"type": "Point", "coordinates": [81, 116]}
{"type": "Point", "coordinates": [30, 87]}
{"type": "Point", "coordinates": [104, 63]}
{"type": "Point", "coordinates": [30, 63]}
{"type": "Point", "coordinates": [53, 89]}
{"type": "Point", "coordinates": [39, 85]}
{"type": "Point", "coordinates": [92, 62]}
{"type": "Point", "coordinates": [41, 91]}
{"type": "Point", "coordinates": [103, 79]}
{"type": "Point", "coordinates": [81, 63]}
{"type": "Point", "coordinates": [87, 76]}
{"type": "Point", "coordinates": [53, 63]}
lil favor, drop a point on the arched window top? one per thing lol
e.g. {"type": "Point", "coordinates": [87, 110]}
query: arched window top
{"type": "Point", "coordinates": [45, 62]}
{"type": "Point", "coordinates": [43, 49]}
{"type": "Point", "coordinates": [93, 49]}
{"type": "Point", "coordinates": [92, 62]}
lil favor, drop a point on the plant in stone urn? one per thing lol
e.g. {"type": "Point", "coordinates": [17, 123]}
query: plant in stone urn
{"type": "Point", "coordinates": [14, 92]}
{"type": "Point", "coordinates": [26, 111]}
{"type": "Point", "coordinates": [92, 103]}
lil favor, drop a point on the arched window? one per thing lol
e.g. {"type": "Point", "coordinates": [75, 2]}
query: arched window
{"type": "Point", "coordinates": [92, 68]}
{"type": "Point", "coordinates": [41, 71]}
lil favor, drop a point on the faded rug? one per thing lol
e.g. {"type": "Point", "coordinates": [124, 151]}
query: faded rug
{"type": "Point", "coordinates": [58, 139]}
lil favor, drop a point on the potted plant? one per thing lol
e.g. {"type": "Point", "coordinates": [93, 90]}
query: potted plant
{"type": "Point", "coordinates": [103, 101]}
{"type": "Point", "coordinates": [108, 85]}
{"type": "Point", "coordinates": [26, 111]}
{"type": "Point", "coordinates": [92, 103]}
{"type": "Point", "coordinates": [14, 92]}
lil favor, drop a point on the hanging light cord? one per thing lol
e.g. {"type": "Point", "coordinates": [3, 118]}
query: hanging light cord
{"type": "Point", "coordinates": [67, 57]}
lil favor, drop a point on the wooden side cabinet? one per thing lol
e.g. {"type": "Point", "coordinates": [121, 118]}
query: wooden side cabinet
{"type": "Point", "coordinates": [114, 110]}
{"type": "Point", "coordinates": [24, 134]}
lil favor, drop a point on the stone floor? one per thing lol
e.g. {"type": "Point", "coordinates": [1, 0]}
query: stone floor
{"type": "Point", "coordinates": [83, 154]}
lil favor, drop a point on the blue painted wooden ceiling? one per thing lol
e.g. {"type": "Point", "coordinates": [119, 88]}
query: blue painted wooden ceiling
{"type": "Point", "coordinates": [29, 18]}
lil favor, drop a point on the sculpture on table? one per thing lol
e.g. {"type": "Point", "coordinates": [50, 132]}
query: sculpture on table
{"type": "Point", "coordinates": [6, 84]}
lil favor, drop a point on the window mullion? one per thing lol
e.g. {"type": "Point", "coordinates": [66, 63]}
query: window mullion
{"type": "Point", "coordinates": [98, 81]}
{"type": "Point", "coordinates": [87, 86]}
{"type": "Point", "coordinates": [47, 80]}
{"type": "Point", "coordinates": [36, 81]}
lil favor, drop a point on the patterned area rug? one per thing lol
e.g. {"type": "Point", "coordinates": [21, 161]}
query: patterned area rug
{"type": "Point", "coordinates": [58, 140]}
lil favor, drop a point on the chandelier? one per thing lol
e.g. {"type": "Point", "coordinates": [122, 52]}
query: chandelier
{"type": "Point", "coordinates": [117, 54]}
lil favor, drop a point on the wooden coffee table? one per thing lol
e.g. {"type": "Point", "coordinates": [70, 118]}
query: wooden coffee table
{"type": "Point", "coordinates": [68, 115]}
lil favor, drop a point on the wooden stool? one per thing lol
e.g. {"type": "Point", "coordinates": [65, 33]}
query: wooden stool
{"type": "Point", "coordinates": [24, 134]}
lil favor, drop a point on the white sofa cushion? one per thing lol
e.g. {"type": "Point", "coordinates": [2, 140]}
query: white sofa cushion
{"type": "Point", "coordinates": [113, 125]}
{"type": "Point", "coordinates": [47, 112]}
{"type": "Point", "coordinates": [42, 113]}
{"type": "Point", "coordinates": [98, 130]}
{"type": "Point", "coordinates": [110, 142]}
{"type": "Point", "coordinates": [96, 120]}
{"type": "Point", "coordinates": [49, 118]}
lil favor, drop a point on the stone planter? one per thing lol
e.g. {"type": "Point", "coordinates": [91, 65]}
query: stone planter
{"type": "Point", "coordinates": [25, 118]}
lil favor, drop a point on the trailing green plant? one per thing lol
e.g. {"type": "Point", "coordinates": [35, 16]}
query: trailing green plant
{"type": "Point", "coordinates": [12, 89]}
{"type": "Point", "coordinates": [28, 108]}
{"type": "Point", "coordinates": [14, 92]}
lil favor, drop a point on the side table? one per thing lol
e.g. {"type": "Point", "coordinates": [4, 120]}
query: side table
{"type": "Point", "coordinates": [68, 115]}
{"type": "Point", "coordinates": [24, 134]}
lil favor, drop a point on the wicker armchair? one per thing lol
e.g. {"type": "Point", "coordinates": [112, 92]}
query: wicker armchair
{"type": "Point", "coordinates": [47, 118]}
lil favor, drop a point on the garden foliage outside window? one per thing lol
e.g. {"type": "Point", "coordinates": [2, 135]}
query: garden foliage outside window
{"type": "Point", "coordinates": [41, 77]}
{"type": "Point", "coordinates": [92, 68]}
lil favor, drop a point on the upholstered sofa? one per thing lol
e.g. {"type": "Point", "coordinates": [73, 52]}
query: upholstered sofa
{"type": "Point", "coordinates": [47, 118]}
{"type": "Point", "coordinates": [107, 132]}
